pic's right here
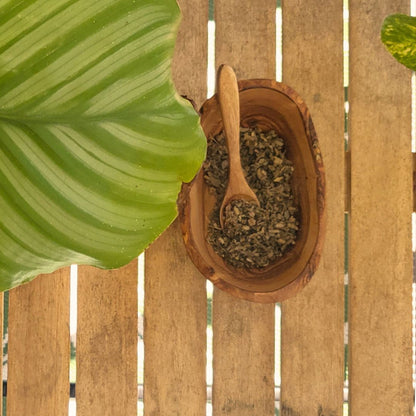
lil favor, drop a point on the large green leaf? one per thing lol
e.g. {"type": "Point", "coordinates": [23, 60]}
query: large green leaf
{"type": "Point", "coordinates": [94, 140]}
{"type": "Point", "coordinates": [398, 34]}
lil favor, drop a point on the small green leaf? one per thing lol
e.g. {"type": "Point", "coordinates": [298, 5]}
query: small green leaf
{"type": "Point", "coordinates": [94, 140]}
{"type": "Point", "coordinates": [398, 34]}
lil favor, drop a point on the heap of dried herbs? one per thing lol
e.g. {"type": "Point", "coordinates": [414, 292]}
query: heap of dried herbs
{"type": "Point", "coordinates": [253, 236]}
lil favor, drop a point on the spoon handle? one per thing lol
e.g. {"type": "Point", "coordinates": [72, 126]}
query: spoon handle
{"type": "Point", "coordinates": [230, 108]}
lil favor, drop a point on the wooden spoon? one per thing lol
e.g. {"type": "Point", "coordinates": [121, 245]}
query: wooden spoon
{"type": "Point", "coordinates": [228, 95]}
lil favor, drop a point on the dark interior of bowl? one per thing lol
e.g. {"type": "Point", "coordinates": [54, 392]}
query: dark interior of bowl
{"type": "Point", "coordinates": [267, 105]}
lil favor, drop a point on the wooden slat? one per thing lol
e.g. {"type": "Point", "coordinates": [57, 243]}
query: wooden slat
{"type": "Point", "coordinates": [106, 351]}
{"type": "Point", "coordinates": [245, 37]}
{"type": "Point", "coordinates": [312, 322]}
{"type": "Point", "coordinates": [243, 351]}
{"type": "Point", "coordinates": [175, 294]}
{"type": "Point", "coordinates": [380, 243]}
{"type": "Point", "coordinates": [174, 331]}
{"type": "Point", "coordinates": [190, 61]}
{"type": "Point", "coordinates": [414, 181]}
{"type": "Point", "coordinates": [244, 331]}
{"type": "Point", "coordinates": [38, 361]}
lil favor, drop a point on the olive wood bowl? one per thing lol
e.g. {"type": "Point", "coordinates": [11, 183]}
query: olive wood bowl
{"type": "Point", "coordinates": [265, 104]}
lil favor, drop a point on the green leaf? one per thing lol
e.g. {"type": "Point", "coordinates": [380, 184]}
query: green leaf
{"type": "Point", "coordinates": [398, 34]}
{"type": "Point", "coordinates": [94, 140]}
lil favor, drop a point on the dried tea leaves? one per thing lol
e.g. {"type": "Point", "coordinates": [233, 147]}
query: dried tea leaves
{"type": "Point", "coordinates": [253, 236]}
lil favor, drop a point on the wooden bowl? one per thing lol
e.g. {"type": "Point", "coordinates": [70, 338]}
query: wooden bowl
{"type": "Point", "coordinates": [265, 104]}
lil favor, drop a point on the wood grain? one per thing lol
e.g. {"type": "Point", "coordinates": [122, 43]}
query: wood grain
{"type": "Point", "coordinates": [190, 61]}
{"type": "Point", "coordinates": [414, 181]}
{"type": "Point", "coordinates": [243, 348]}
{"type": "Point", "coordinates": [174, 331]}
{"type": "Point", "coordinates": [381, 205]}
{"type": "Point", "coordinates": [312, 322]}
{"type": "Point", "coordinates": [244, 331]}
{"type": "Point", "coordinates": [175, 292]}
{"type": "Point", "coordinates": [245, 37]}
{"type": "Point", "coordinates": [107, 341]}
{"type": "Point", "coordinates": [39, 353]}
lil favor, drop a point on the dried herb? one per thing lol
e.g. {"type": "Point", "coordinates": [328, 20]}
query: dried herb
{"type": "Point", "coordinates": [253, 237]}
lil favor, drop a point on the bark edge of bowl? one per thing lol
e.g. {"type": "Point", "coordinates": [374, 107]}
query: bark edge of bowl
{"type": "Point", "coordinates": [267, 104]}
